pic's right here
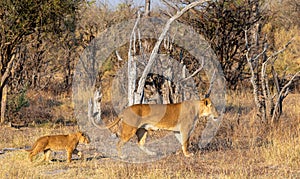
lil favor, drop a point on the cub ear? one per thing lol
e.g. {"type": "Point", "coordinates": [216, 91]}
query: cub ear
{"type": "Point", "coordinates": [207, 102]}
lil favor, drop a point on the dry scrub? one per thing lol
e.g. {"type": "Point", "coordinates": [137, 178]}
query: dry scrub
{"type": "Point", "coordinates": [243, 148]}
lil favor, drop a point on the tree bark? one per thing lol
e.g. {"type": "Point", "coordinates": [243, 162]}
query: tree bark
{"type": "Point", "coordinates": [3, 88]}
{"type": "Point", "coordinates": [147, 8]}
{"type": "Point", "coordinates": [3, 103]}
{"type": "Point", "coordinates": [131, 65]}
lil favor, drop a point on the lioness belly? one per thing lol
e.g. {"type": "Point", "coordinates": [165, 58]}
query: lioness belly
{"type": "Point", "coordinates": [157, 127]}
{"type": "Point", "coordinates": [151, 127]}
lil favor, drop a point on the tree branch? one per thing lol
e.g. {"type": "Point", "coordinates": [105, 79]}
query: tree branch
{"type": "Point", "coordinates": [280, 51]}
{"type": "Point", "coordinates": [7, 71]}
{"type": "Point", "coordinates": [282, 95]}
{"type": "Point", "coordinates": [195, 73]}
{"type": "Point", "coordinates": [158, 43]}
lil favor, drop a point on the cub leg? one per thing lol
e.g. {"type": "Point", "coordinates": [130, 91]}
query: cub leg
{"type": "Point", "coordinates": [33, 153]}
{"type": "Point", "coordinates": [142, 135]}
{"type": "Point", "coordinates": [47, 155]}
{"type": "Point", "coordinates": [69, 154]}
{"type": "Point", "coordinates": [78, 153]}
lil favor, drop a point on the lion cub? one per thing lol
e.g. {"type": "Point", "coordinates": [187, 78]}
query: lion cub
{"type": "Point", "coordinates": [58, 142]}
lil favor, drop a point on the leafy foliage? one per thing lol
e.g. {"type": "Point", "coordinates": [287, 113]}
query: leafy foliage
{"type": "Point", "coordinates": [20, 21]}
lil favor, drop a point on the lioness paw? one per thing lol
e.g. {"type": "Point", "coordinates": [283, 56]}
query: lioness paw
{"type": "Point", "coordinates": [188, 154]}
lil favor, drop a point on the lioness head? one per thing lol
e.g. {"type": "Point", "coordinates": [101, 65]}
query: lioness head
{"type": "Point", "coordinates": [83, 138]}
{"type": "Point", "coordinates": [208, 109]}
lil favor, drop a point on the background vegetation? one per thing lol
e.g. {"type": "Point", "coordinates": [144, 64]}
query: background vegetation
{"type": "Point", "coordinates": [41, 41]}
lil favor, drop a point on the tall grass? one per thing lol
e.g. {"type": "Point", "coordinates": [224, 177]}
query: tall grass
{"type": "Point", "coordinates": [251, 151]}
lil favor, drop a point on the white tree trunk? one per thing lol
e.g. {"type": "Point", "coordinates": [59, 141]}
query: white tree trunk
{"type": "Point", "coordinates": [131, 68]}
{"type": "Point", "coordinates": [3, 103]}
{"type": "Point", "coordinates": [147, 8]}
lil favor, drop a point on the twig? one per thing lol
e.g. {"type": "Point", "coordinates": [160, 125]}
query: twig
{"type": "Point", "coordinates": [195, 73]}
{"type": "Point", "coordinates": [281, 51]}
{"type": "Point", "coordinates": [118, 56]}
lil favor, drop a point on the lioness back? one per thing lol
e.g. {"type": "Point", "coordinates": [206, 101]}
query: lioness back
{"type": "Point", "coordinates": [163, 116]}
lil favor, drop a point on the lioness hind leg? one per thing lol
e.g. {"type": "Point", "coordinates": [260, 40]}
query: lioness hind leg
{"type": "Point", "coordinates": [119, 147]}
{"type": "Point", "coordinates": [126, 134]}
{"type": "Point", "coordinates": [142, 135]}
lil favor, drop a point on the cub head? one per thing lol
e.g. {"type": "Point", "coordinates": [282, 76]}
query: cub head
{"type": "Point", "coordinates": [83, 138]}
{"type": "Point", "coordinates": [208, 109]}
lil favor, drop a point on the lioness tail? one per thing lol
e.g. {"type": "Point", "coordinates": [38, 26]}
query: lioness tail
{"type": "Point", "coordinates": [29, 150]}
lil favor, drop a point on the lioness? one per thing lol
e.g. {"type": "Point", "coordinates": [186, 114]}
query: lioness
{"type": "Point", "coordinates": [58, 142]}
{"type": "Point", "coordinates": [179, 118]}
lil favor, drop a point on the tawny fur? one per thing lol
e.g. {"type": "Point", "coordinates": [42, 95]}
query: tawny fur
{"type": "Point", "coordinates": [49, 143]}
{"type": "Point", "coordinates": [179, 117]}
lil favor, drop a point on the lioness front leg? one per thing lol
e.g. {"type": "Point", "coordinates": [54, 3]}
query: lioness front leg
{"type": "Point", "coordinates": [185, 149]}
{"type": "Point", "coordinates": [31, 155]}
{"type": "Point", "coordinates": [184, 140]}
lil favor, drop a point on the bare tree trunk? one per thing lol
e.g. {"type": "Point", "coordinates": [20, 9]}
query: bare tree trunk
{"type": "Point", "coordinates": [269, 105]}
{"type": "Point", "coordinates": [253, 78]}
{"type": "Point", "coordinates": [183, 75]}
{"type": "Point", "coordinates": [3, 88]}
{"type": "Point", "coordinates": [147, 8]}
{"type": "Point", "coordinates": [131, 68]}
{"type": "Point", "coordinates": [3, 103]}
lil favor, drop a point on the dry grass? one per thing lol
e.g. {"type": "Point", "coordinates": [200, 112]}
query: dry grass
{"type": "Point", "coordinates": [251, 151]}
